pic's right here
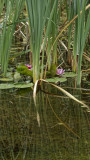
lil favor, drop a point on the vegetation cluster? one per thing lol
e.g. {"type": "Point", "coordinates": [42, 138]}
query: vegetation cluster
{"type": "Point", "coordinates": [55, 33]}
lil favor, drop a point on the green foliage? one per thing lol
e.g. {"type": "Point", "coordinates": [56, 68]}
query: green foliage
{"type": "Point", "coordinates": [23, 85]}
{"type": "Point", "coordinates": [53, 70]}
{"type": "Point", "coordinates": [21, 68]}
{"type": "Point", "coordinates": [6, 79]}
{"type": "Point", "coordinates": [56, 79]}
{"type": "Point", "coordinates": [25, 71]}
{"type": "Point", "coordinates": [52, 56]}
{"type": "Point", "coordinates": [44, 21]}
{"type": "Point", "coordinates": [81, 29]}
{"type": "Point", "coordinates": [6, 86]}
{"type": "Point", "coordinates": [48, 74]}
{"type": "Point", "coordinates": [69, 74]}
{"type": "Point", "coordinates": [38, 13]}
{"type": "Point", "coordinates": [18, 85]}
{"type": "Point", "coordinates": [11, 12]}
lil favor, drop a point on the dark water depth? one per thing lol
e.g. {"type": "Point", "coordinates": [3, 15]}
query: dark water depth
{"type": "Point", "coordinates": [57, 128]}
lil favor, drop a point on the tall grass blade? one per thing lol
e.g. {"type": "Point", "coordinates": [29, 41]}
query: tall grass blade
{"type": "Point", "coordinates": [13, 9]}
{"type": "Point", "coordinates": [46, 34]}
{"type": "Point", "coordinates": [37, 12]}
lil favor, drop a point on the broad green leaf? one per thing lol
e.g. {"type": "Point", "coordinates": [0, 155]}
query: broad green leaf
{"type": "Point", "coordinates": [56, 79]}
{"type": "Point", "coordinates": [69, 74]}
{"type": "Point", "coordinates": [17, 76]}
{"type": "Point", "coordinates": [23, 85]}
{"type": "Point", "coordinates": [6, 79]}
{"type": "Point", "coordinates": [6, 86]}
{"type": "Point", "coordinates": [18, 85]}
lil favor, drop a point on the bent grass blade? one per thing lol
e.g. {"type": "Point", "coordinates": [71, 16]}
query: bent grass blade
{"type": "Point", "coordinates": [67, 93]}
{"type": "Point", "coordinates": [34, 91]}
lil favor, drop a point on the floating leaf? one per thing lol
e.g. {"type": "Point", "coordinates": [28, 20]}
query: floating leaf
{"type": "Point", "coordinates": [6, 79]}
{"type": "Point", "coordinates": [6, 86]}
{"type": "Point", "coordinates": [57, 79]}
{"type": "Point", "coordinates": [50, 80]}
{"type": "Point", "coordinates": [18, 85]}
{"type": "Point", "coordinates": [23, 85]}
{"type": "Point", "coordinates": [69, 74]}
{"type": "Point", "coordinates": [17, 77]}
{"type": "Point", "coordinates": [9, 74]}
{"type": "Point", "coordinates": [60, 79]}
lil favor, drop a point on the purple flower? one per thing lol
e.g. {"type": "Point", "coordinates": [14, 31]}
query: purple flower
{"type": "Point", "coordinates": [60, 71]}
{"type": "Point", "coordinates": [28, 66]}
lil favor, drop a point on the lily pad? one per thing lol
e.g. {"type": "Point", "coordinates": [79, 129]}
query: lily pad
{"type": "Point", "coordinates": [18, 85]}
{"type": "Point", "coordinates": [9, 74]}
{"type": "Point", "coordinates": [57, 79]}
{"type": "Point", "coordinates": [6, 79]}
{"type": "Point", "coordinates": [6, 86]}
{"type": "Point", "coordinates": [17, 77]}
{"type": "Point", "coordinates": [69, 74]}
{"type": "Point", "coordinates": [23, 85]}
{"type": "Point", "coordinates": [60, 79]}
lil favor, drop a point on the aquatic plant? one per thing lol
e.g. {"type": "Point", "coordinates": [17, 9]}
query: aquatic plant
{"type": "Point", "coordinates": [81, 29]}
{"type": "Point", "coordinates": [53, 70]}
{"type": "Point", "coordinates": [43, 23]}
{"type": "Point", "coordinates": [38, 13]}
{"type": "Point", "coordinates": [25, 71]}
{"type": "Point", "coordinates": [28, 66]}
{"type": "Point", "coordinates": [58, 87]}
{"type": "Point", "coordinates": [10, 16]}
{"type": "Point", "coordinates": [60, 71]}
{"type": "Point", "coordinates": [54, 25]}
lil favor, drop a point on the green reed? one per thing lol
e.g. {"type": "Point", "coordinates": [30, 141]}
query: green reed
{"type": "Point", "coordinates": [81, 30]}
{"type": "Point", "coordinates": [44, 20]}
{"type": "Point", "coordinates": [10, 14]}
{"type": "Point", "coordinates": [54, 25]}
{"type": "Point", "coordinates": [38, 14]}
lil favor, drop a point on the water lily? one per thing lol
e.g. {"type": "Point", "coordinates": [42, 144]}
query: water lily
{"type": "Point", "coordinates": [60, 71]}
{"type": "Point", "coordinates": [28, 66]}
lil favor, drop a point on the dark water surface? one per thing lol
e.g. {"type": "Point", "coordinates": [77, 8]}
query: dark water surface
{"type": "Point", "coordinates": [57, 128]}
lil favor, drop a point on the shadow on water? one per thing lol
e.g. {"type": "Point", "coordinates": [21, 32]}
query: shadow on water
{"type": "Point", "coordinates": [57, 128]}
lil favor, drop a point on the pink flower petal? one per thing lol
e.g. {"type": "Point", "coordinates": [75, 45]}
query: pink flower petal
{"type": "Point", "coordinates": [60, 71]}
{"type": "Point", "coordinates": [28, 66]}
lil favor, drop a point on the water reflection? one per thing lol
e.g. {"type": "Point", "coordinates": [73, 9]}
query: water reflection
{"type": "Point", "coordinates": [29, 132]}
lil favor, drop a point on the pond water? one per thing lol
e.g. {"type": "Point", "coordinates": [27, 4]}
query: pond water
{"type": "Point", "coordinates": [57, 128]}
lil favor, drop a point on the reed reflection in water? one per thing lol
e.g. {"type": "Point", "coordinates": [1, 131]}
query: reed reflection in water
{"type": "Point", "coordinates": [57, 128]}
